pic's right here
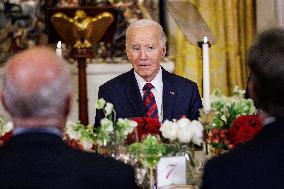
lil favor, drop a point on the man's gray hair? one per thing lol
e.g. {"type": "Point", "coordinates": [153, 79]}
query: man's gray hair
{"type": "Point", "coordinates": [48, 100]}
{"type": "Point", "coordinates": [147, 23]}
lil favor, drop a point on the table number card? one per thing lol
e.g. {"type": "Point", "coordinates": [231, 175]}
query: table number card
{"type": "Point", "coordinates": [171, 170]}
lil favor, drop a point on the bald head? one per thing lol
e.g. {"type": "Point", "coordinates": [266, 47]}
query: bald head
{"type": "Point", "coordinates": [34, 68]}
{"type": "Point", "coordinates": [36, 84]}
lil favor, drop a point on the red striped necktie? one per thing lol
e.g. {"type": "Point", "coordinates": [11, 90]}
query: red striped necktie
{"type": "Point", "coordinates": [149, 101]}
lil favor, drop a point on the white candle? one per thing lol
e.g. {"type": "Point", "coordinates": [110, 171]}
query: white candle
{"type": "Point", "coordinates": [206, 75]}
{"type": "Point", "coordinates": [59, 49]}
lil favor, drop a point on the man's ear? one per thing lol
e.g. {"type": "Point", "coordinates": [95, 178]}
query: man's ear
{"type": "Point", "coordinates": [127, 52]}
{"type": "Point", "coordinates": [3, 101]}
{"type": "Point", "coordinates": [251, 90]}
{"type": "Point", "coordinates": [164, 51]}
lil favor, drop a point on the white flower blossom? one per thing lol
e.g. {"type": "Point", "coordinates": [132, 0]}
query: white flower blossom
{"type": "Point", "coordinates": [184, 131]}
{"type": "Point", "coordinates": [169, 130]}
{"type": "Point", "coordinates": [131, 125]}
{"type": "Point", "coordinates": [107, 125]}
{"type": "Point", "coordinates": [7, 127]}
{"type": "Point", "coordinates": [100, 103]}
{"type": "Point", "coordinates": [183, 122]}
{"type": "Point", "coordinates": [197, 129]}
{"type": "Point", "coordinates": [71, 132]}
{"type": "Point", "coordinates": [224, 118]}
{"type": "Point", "coordinates": [108, 108]}
{"type": "Point", "coordinates": [125, 126]}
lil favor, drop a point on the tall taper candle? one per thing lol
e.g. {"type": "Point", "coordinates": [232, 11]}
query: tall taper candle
{"type": "Point", "coordinates": [59, 49]}
{"type": "Point", "coordinates": [206, 75]}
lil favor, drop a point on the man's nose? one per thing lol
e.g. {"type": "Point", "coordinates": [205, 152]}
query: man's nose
{"type": "Point", "coordinates": [143, 54]}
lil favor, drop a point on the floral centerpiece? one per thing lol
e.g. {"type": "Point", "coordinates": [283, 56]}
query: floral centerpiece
{"type": "Point", "coordinates": [112, 130]}
{"type": "Point", "coordinates": [171, 138]}
{"type": "Point", "coordinates": [220, 120]}
{"type": "Point", "coordinates": [75, 135]}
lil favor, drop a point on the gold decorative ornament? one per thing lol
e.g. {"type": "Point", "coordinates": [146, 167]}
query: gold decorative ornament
{"type": "Point", "coordinates": [81, 31]}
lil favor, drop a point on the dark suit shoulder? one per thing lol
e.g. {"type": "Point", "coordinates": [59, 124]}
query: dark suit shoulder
{"type": "Point", "coordinates": [179, 80]}
{"type": "Point", "coordinates": [122, 80]}
{"type": "Point", "coordinates": [108, 171]}
{"type": "Point", "coordinates": [46, 155]}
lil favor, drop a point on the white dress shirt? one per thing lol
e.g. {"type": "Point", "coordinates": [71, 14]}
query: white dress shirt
{"type": "Point", "coordinates": [157, 91]}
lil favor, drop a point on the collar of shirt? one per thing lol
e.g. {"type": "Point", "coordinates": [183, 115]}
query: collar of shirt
{"type": "Point", "coordinates": [157, 82]}
{"type": "Point", "coordinates": [268, 120]}
{"type": "Point", "coordinates": [54, 131]}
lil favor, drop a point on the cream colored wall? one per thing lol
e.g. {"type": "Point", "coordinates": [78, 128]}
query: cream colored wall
{"type": "Point", "coordinates": [269, 14]}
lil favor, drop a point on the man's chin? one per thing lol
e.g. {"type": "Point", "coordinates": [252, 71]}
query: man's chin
{"type": "Point", "coordinates": [147, 77]}
{"type": "Point", "coordinates": [143, 73]}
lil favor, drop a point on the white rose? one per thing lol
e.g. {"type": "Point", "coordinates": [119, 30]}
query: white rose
{"type": "Point", "coordinates": [183, 122]}
{"type": "Point", "coordinates": [107, 125]}
{"type": "Point", "coordinates": [168, 130]}
{"type": "Point", "coordinates": [197, 129]}
{"type": "Point", "coordinates": [100, 103]}
{"type": "Point", "coordinates": [108, 108]}
{"type": "Point", "coordinates": [184, 134]}
{"type": "Point", "coordinates": [184, 131]}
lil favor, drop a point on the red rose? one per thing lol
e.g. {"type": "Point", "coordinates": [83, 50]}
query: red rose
{"type": "Point", "coordinates": [232, 132]}
{"type": "Point", "coordinates": [244, 134]}
{"type": "Point", "coordinates": [145, 126]}
{"type": "Point", "coordinates": [243, 129]}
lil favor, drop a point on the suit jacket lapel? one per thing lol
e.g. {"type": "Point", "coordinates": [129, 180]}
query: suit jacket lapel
{"type": "Point", "coordinates": [134, 96]}
{"type": "Point", "coordinates": [169, 94]}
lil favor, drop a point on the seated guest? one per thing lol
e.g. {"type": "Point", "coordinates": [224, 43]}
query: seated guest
{"type": "Point", "coordinates": [258, 163]}
{"type": "Point", "coordinates": [148, 89]}
{"type": "Point", "coordinates": [36, 93]}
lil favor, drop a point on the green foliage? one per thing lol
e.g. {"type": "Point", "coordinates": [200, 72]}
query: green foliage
{"type": "Point", "coordinates": [110, 127]}
{"type": "Point", "coordinates": [149, 151]}
{"type": "Point", "coordinates": [86, 133]}
{"type": "Point", "coordinates": [229, 108]}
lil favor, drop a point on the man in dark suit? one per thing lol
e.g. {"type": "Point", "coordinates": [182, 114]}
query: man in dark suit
{"type": "Point", "coordinates": [174, 96]}
{"type": "Point", "coordinates": [258, 163]}
{"type": "Point", "coordinates": [36, 93]}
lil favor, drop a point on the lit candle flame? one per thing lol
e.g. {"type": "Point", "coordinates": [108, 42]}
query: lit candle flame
{"type": "Point", "coordinates": [59, 49]}
{"type": "Point", "coordinates": [59, 44]}
{"type": "Point", "coordinates": [205, 39]}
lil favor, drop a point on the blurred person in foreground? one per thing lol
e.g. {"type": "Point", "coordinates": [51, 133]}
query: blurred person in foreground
{"type": "Point", "coordinates": [37, 93]}
{"type": "Point", "coordinates": [258, 163]}
{"type": "Point", "coordinates": [171, 96]}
